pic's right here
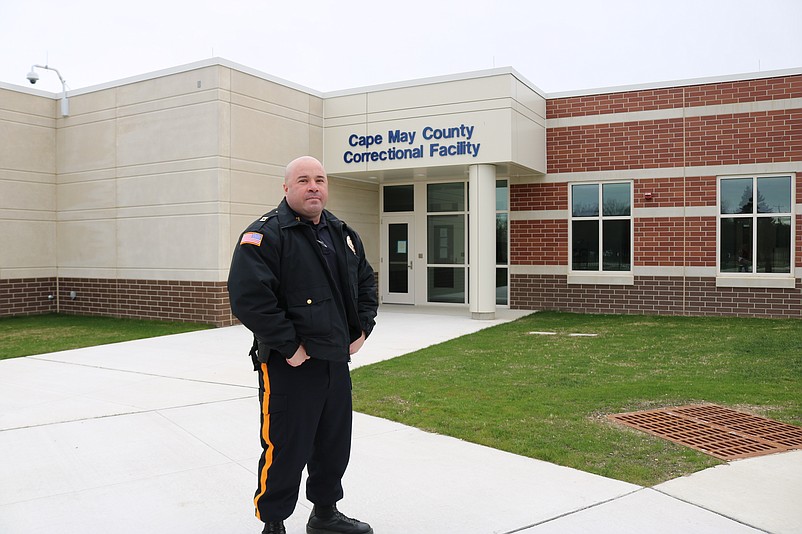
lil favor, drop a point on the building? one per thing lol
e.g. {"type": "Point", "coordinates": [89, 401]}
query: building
{"type": "Point", "coordinates": [474, 190]}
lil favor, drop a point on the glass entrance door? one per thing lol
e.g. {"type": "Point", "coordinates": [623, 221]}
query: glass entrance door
{"type": "Point", "coordinates": [397, 260]}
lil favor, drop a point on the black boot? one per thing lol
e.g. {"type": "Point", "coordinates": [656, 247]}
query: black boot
{"type": "Point", "coordinates": [329, 520]}
{"type": "Point", "coordinates": [274, 527]}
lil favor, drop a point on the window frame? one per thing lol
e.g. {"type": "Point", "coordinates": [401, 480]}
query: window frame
{"type": "Point", "coordinates": [754, 278]}
{"type": "Point", "coordinates": [504, 210]}
{"type": "Point", "coordinates": [382, 199]}
{"type": "Point", "coordinates": [462, 267]}
{"type": "Point", "coordinates": [600, 276]}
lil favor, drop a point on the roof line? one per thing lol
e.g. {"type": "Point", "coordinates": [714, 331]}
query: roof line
{"type": "Point", "coordinates": [439, 79]}
{"type": "Point", "coordinates": [679, 83]}
{"type": "Point", "coordinates": [407, 83]}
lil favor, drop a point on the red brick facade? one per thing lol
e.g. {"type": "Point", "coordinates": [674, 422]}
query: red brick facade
{"type": "Point", "coordinates": [656, 295]}
{"type": "Point", "coordinates": [27, 296]}
{"type": "Point", "coordinates": [689, 136]}
{"type": "Point", "coordinates": [761, 137]}
{"type": "Point", "coordinates": [677, 97]}
{"type": "Point", "coordinates": [538, 242]}
{"type": "Point", "coordinates": [187, 301]}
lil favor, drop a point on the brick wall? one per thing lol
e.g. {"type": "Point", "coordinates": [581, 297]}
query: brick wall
{"type": "Point", "coordinates": [709, 138]}
{"type": "Point", "coordinates": [659, 241]}
{"type": "Point", "coordinates": [188, 301]}
{"type": "Point", "coordinates": [27, 296]}
{"type": "Point", "coordinates": [758, 137]}
{"type": "Point", "coordinates": [724, 139]}
{"type": "Point", "coordinates": [675, 241]}
{"type": "Point", "coordinates": [525, 197]}
{"type": "Point", "coordinates": [168, 300]}
{"type": "Point", "coordinates": [675, 97]}
{"type": "Point", "coordinates": [654, 295]}
{"type": "Point", "coordinates": [622, 146]}
{"type": "Point", "coordinates": [539, 242]}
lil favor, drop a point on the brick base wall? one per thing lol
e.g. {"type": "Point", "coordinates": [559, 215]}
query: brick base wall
{"type": "Point", "coordinates": [654, 295]}
{"type": "Point", "coordinates": [173, 300]}
{"type": "Point", "coordinates": [27, 296]}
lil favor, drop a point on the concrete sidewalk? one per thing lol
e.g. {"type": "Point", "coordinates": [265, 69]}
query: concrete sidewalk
{"type": "Point", "coordinates": [161, 435]}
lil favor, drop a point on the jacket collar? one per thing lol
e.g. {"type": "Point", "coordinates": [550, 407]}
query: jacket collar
{"type": "Point", "coordinates": [287, 217]}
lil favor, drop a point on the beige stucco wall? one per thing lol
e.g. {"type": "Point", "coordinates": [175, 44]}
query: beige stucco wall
{"type": "Point", "coordinates": [27, 185]}
{"type": "Point", "coordinates": [140, 177]}
{"type": "Point", "coordinates": [357, 203]}
{"type": "Point", "coordinates": [153, 179]}
{"type": "Point", "coordinates": [272, 124]}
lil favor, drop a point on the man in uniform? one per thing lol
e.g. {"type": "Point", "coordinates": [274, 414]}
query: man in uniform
{"type": "Point", "coordinates": [300, 282]}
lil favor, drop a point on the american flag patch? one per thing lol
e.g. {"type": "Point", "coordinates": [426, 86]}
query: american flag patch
{"type": "Point", "coordinates": [251, 238]}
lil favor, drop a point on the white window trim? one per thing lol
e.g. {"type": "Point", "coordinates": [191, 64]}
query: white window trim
{"type": "Point", "coordinates": [758, 280]}
{"type": "Point", "coordinates": [505, 265]}
{"type": "Point", "coordinates": [601, 277]}
{"type": "Point", "coordinates": [465, 265]}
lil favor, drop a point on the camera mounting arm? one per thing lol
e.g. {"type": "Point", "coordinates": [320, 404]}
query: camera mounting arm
{"type": "Point", "coordinates": [33, 77]}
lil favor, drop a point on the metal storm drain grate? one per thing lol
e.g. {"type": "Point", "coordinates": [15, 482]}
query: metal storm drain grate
{"type": "Point", "coordinates": [717, 431]}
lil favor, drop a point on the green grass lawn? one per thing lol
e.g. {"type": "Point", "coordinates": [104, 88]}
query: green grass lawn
{"type": "Point", "coordinates": [546, 396]}
{"type": "Point", "coordinates": [23, 336]}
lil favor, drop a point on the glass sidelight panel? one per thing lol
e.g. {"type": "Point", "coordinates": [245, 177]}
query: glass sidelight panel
{"type": "Point", "coordinates": [502, 286]}
{"type": "Point", "coordinates": [446, 284]}
{"type": "Point", "coordinates": [446, 242]}
{"type": "Point", "coordinates": [446, 239]}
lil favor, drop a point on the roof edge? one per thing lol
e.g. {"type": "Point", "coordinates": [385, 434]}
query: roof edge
{"type": "Point", "coordinates": [208, 62]}
{"type": "Point", "coordinates": [678, 83]}
{"type": "Point", "coordinates": [219, 61]}
{"type": "Point", "coordinates": [486, 73]}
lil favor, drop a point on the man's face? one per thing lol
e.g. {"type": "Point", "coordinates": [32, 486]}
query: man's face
{"type": "Point", "coordinates": [307, 189]}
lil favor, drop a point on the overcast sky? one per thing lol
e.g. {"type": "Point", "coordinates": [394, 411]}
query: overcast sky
{"type": "Point", "coordinates": [559, 45]}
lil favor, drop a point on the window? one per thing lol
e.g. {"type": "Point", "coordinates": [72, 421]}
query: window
{"type": "Point", "coordinates": [447, 242]}
{"type": "Point", "coordinates": [502, 242]}
{"type": "Point", "coordinates": [399, 198]}
{"type": "Point", "coordinates": [755, 225]}
{"type": "Point", "coordinates": [601, 227]}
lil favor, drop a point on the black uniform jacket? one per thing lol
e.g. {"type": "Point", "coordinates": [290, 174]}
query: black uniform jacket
{"type": "Point", "coordinates": [282, 290]}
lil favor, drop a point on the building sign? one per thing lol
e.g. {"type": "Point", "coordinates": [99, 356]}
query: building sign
{"type": "Point", "coordinates": [412, 144]}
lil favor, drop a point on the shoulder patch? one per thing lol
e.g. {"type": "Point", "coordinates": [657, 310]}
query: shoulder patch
{"type": "Point", "coordinates": [251, 238]}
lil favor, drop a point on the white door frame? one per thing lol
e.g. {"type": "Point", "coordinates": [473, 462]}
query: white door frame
{"type": "Point", "coordinates": [384, 272]}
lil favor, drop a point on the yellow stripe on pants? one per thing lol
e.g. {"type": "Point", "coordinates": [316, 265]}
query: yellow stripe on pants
{"type": "Point", "coordinates": [268, 452]}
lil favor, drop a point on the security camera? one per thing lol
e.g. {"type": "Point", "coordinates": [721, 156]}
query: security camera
{"type": "Point", "coordinates": [33, 77]}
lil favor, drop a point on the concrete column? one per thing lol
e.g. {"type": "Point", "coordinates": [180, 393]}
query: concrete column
{"type": "Point", "coordinates": [482, 231]}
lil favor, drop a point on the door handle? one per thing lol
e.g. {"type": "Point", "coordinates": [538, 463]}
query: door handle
{"type": "Point", "coordinates": [410, 266]}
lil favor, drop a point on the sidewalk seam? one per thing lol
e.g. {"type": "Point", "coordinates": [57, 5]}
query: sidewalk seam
{"type": "Point", "coordinates": [136, 412]}
{"type": "Point", "coordinates": [572, 512]}
{"type": "Point", "coordinates": [142, 373]}
{"type": "Point", "coordinates": [716, 512]}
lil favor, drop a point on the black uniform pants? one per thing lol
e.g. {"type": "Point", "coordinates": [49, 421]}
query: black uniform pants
{"type": "Point", "coordinates": [306, 420]}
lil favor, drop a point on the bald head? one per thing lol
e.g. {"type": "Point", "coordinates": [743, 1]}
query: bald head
{"type": "Point", "coordinates": [306, 187]}
{"type": "Point", "coordinates": [292, 167]}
